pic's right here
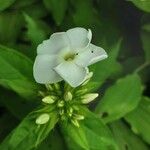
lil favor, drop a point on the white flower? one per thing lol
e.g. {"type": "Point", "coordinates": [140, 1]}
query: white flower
{"type": "Point", "coordinates": [66, 55]}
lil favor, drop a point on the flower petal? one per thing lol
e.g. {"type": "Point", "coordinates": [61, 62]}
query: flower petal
{"type": "Point", "coordinates": [79, 37]}
{"type": "Point", "coordinates": [90, 55]}
{"type": "Point", "coordinates": [71, 73]}
{"type": "Point", "coordinates": [53, 45]}
{"type": "Point", "coordinates": [43, 69]}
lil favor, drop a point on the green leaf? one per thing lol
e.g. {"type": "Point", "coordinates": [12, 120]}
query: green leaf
{"type": "Point", "coordinates": [16, 73]}
{"type": "Point", "coordinates": [35, 34]}
{"type": "Point", "coordinates": [16, 105]}
{"type": "Point", "coordinates": [125, 138]}
{"type": "Point", "coordinates": [91, 135]}
{"type": "Point", "coordinates": [108, 67]}
{"type": "Point", "coordinates": [139, 119]}
{"type": "Point", "coordinates": [28, 134]}
{"type": "Point", "coordinates": [35, 10]}
{"type": "Point", "coordinates": [84, 14]}
{"type": "Point", "coordinates": [5, 4]}
{"type": "Point", "coordinates": [10, 27]}
{"type": "Point", "coordinates": [58, 9]}
{"type": "Point", "coordinates": [142, 4]}
{"type": "Point", "coordinates": [53, 142]}
{"type": "Point", "coordinates": [7, 123]}
{"type": "Point", "coordinates": [22, 3]}
{"type": "Point", "coordinates": [145, 36]}
{"type": "Point", "coordinates": [121, 98]}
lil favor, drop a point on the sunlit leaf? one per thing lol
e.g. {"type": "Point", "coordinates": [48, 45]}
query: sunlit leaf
{"type": "Point", "coordinates": [139, 119]}
{"type": "Point", "coordinates": [91, 135]}
{"type": "Point", "coordinates": [121, 98]}
{"type": "Point", "coordinates": [28, 134]}
{"type": "Point", "coordinates": [125, 138]}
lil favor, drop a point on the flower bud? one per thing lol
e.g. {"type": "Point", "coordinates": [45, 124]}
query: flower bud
{"type": "Point", "coordinates": [56, 85]}
{"type": "Point", "coordinates": [60, 104]}
{"type": "Point", "coordinates": [75, 122]}
{"type": "Point", "coordinates": [70, 111]}
{"type": "Point", "coordinates": [88, 77]}
{"type": "Point", "coordinates": [89, 97]}
{"type": "Point", "coordinates": [42, 119]}
{"type": "Point", "coordinates": [68, 96]}
{"type": "Point", "coordinates": [78, 117]}
{"type": "Point", "coordinates": [49, 99]}
{"type": "Point", "coordinates": [81, 92]}
{"type": "Point", "coordinates": [61, 111]}
{"type": "Point", "coordinates": [49, 87]}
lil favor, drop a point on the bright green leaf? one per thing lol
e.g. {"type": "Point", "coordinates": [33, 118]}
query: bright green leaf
{"type": "Point", "coordinates": [28, 134]}
{"type": "Point", "coordinates": [58, 9]}
{"type": "Point", "coordinates": [16, 73]}
{"type": "Point", "coordinates": [125, 138]}
{"type": "Point", "coordinates": [139, 119]}
{"type": "Point", "coordinates": [142, 4]}
{"type": "Point", "coordinates": [121, 98]}
{"type": "Point", "coordinates": [5, 4]}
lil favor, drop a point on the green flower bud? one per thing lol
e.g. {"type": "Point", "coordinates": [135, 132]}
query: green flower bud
{"type": "Point", "coordinates": [49, 87]}
{"type": "Point", "coordinates": [42, 119]}
{"type": "Point", "coordinates": [61, 111]}
{"type": "Point", "coordinates": [70, 111]}
{"type": "Point", "coordinates": [89, 97]}
{"type": "Point", "coordinates": [89, 76]}
{"type": "Point", "coordinates": [68, 96]}
{"type": "Point", "coordinates": [75, 122]}
{"type": "Point", "coordinates": [60, 104]}
{"type": "Point", "coordinates": [56, 85]}
{"type": "Point", "coordinates": [81, 92]}
{"type": "Point", "coordinates": [49, 99]}
{"type": "Point", "coordinates": [78, 117]}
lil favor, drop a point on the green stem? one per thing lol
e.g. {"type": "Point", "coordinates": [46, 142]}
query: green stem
{"type": "Point", "coordinates": [140, 68]}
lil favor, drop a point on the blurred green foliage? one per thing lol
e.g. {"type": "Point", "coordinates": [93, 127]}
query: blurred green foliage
{"type": "Point", "coordinates": [122, 28]}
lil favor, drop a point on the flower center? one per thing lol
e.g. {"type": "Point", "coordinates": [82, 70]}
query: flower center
{"type": "Point", "coordinates": [69, 56]}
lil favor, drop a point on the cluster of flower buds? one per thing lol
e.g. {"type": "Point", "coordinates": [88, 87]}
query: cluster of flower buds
{"type": "Point", "coordinates": [66, 101]}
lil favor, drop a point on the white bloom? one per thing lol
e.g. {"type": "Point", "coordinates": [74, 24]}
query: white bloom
{"type": "Point", "coordinates": [66, 55]}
